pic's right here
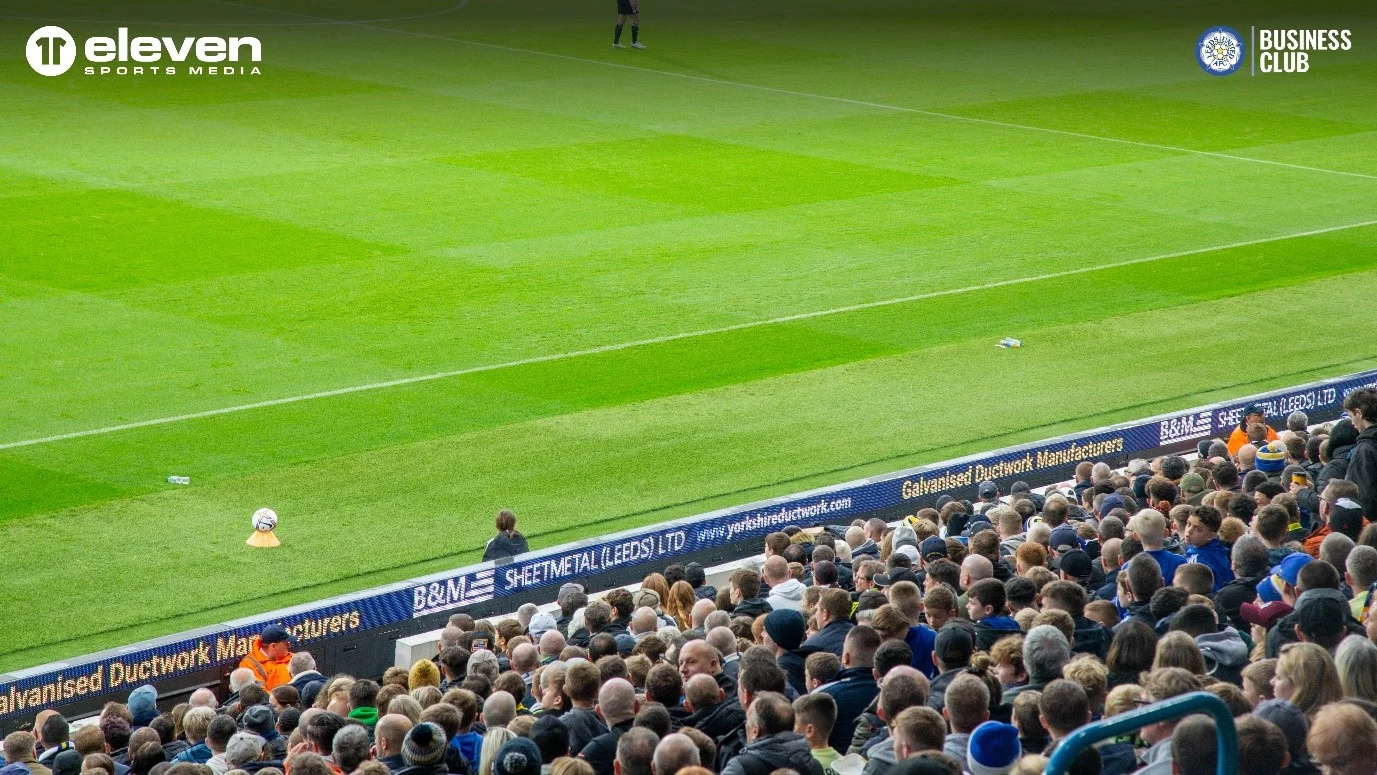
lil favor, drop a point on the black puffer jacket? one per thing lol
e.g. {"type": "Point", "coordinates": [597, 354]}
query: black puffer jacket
{"type": "Point", "coordinates": [1362, 469]}
{"type": "Point", "coordinates": [786, 750]}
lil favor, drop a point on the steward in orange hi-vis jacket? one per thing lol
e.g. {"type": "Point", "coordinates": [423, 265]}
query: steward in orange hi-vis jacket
{"type": "Point", "coordinates": [268, 656]}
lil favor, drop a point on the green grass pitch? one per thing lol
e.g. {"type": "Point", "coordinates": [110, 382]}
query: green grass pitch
{"type": "Point", "coordinates": [495, 184]}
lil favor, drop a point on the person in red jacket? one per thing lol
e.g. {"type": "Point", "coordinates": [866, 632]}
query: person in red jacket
{"type": "Point", "coordinates": [268, 656]}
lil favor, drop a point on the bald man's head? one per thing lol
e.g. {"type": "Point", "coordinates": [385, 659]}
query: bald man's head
{"type": "Point", "coordinates": [701, 609]}
{"type": "Point", "coordinates": [204, 698]}
{"type": "Point", "coordinates": [702, 691]}
{"type": "Point", "coordinates": [698, 657]}
{"type": "Point", "coordinates": [390, 733]}
{"type": "Point", "coordinates": [644, 621]}
{"type": "Point", "coordinates": [617, 701]}
{"type": "Point", "coordinates": [525, 658]}
{"type": "Point", "coordinates": [552, 643]}
{"type": "Point", "coordinates": [974, 568]}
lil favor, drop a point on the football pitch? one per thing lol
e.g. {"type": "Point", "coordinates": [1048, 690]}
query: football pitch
{"type": "Point", "coordinates": [421, 269]}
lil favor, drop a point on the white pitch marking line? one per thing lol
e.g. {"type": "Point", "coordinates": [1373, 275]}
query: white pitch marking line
{"type": "Point", "coordinates": [663, 339]}
{"type": "Point", "coordinates": [813, 95]}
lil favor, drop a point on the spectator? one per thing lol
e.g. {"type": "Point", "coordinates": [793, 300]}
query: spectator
{"type": "Point", "coordinates": [772, 743]}
{"type": "Point", "coordinates": [1306, 677]}
{"type": "Point", "coordinates": [1062, 708]}
{"type": "Point", "coordinates": [1045, 651]}
{"type": "Point", "coordinates": [993, 749]}
{"type": "Point", "coordinates": [745, 594]}
{"type": "Point", "coordinates": [1163, 684]}
{"type": "Point", "coordinates": [508, 542]}
{"type": "Point", "coordinates": [966, 705]}
{"type": "Point", "coordinates": [423, 750]}
{"type": "Point", "coordinates": [855, 687]}
{"type": "Point", "coordinates": [618, 706]}
{"type": "Point", "coordinates": [786, 592]}
{"type": "Point", "coordinates": [674, 753]}
{"type": "Point", "coordinates": [815, 715]}
{"type": "Point", "coordinates": [389, 736]}
{"type": "Point", "coordinates": [1361, 406]}
{"type": "Point", "coordinates": [270, 653]}
{"type": "Point", "coordinates": [952, 653]}
{"type": "Point", "coordinates": [1194, 746]}
{"type": "Point", "coordinates": [833, 617]}
{"type": "Point", "coordinates": [1343, 740]}
{"type": "Point", "coordinates": [1262, 749]}
{"type": "Point", "coordinates": [1150, 526]}
{"type": "Point", "coordinates": [20, 748]}
{"type": "Point", "coordinates": [985, 606]}
{"type": "Point", "coordinates": [1204, 546]}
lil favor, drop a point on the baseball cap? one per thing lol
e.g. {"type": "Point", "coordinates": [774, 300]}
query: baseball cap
{"type": "Point", "coordinates": [1346, 516]}
{"type": "Point", "coordinates": [882, 580]}
{"type": "Point", "coordinates": [541, 623]}
{"type": "Point", "coordinates": [1254, 409]}
{"type": "Point", "coordinates": [1192, 483]}
{"type": "Point", "coordinates": [276, 633]}
{"type": "Point", "coordinates": [908, 551]}
{"type": "Point", "coordinates": [1063, 538]}
{"type": "Point", "coordinates": [954, 645]}
{"type": "Point", "coordinates": [1264, 615]}
{"type": "Point", "coordinates": [988, 490]}
{"type": "Point", "coordinates": [1321, 613]}
{"type": "Point", "coordinates": [1288, 570]}
{"type": "Point", "coordinates": [1076, 564]}
{"type": "Point", "coordinates": [1109, 503]}
{"type": "Point", "coordinates": [645, 598]}
{"type": "Point", "coordinates": [933, 547]}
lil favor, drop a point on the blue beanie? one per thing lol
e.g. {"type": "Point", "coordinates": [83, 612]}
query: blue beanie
{"type": "Point", "coordinates": [993, 749]}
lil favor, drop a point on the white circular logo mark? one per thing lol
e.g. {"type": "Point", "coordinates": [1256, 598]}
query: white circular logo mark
{"type": "Point", "coordinates": [51, 51]}
{"type": "Point", "coordinates": [1220, 51]}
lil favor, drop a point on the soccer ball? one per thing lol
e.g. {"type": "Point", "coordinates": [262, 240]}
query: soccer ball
{"type": "Point", "coordinates": [264, 520]}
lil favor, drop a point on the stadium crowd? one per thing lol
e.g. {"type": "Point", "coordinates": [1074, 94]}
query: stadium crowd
{"type": "Point", "coordinates": [971, 637]}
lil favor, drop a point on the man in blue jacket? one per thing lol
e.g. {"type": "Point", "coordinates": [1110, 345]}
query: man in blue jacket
{"type": "Point", "coordinates": [834, 622]}
{"type": "Point", "coordinates": [855, 686]}
{"type": "Point", "coordinates": [1205, 547]}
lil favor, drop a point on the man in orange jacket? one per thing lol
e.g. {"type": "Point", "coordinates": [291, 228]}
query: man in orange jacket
{"type": "Point", "coordinates": [1251, 413]}
{"type": "Point", "coordinates": [268, 656]}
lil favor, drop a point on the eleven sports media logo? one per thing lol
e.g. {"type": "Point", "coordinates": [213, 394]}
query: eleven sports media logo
{"type": "Point", "coordinates": [1221, 50]}
{"type": "Point", "coordinates": [51, 51]}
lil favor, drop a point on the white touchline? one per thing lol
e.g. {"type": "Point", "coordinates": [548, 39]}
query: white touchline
{"type": "Point", "coordinates": [813, 95]}
{"type": "Point", "coordinates": [667, 338]}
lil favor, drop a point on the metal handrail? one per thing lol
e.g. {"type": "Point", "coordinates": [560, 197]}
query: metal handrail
{"type": "Point", "coordinates": [1226, 737]}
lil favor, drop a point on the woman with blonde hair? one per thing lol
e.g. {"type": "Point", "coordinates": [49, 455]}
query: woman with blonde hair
{"type": "Point", "coordinates": [426, 695]}
{"type": "Point", "coordinates": [1356, 662]}
{"type": "Point", "coordinates": [679, 604]}
{"type": "Point", "coordinates": [1306, 677]}
{"type": "Point", "coordinates": [569, 765]}
{"type": "Point", "coordinates": [1177, 649]}
{"type": "Point", "coordinates": [492, 743]}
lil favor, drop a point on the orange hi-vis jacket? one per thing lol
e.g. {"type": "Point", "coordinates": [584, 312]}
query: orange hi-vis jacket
{"type": "Point", "coordinates": [272, 673]}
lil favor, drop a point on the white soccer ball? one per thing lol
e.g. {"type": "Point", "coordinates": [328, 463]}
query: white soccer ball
{"type": "Point", "coordinates": [264, 520]}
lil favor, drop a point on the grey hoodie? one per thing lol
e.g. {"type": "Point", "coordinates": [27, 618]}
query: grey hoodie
{"type": "Point", "coordinates": [787, 594]}
{"type": "Point", "coordinates": [1224, 647]}
{"type": "Point", "coordinates": [881, 758]}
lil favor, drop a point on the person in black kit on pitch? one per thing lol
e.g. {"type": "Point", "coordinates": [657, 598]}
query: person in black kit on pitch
{"type": "Point", "coordinates": [508, 542]}
{"type": "Point", "coordinates": [627, 8]}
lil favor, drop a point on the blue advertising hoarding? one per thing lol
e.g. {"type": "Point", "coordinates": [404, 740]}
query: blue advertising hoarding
{"type": "Point", "coordinates": [23, 693]}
